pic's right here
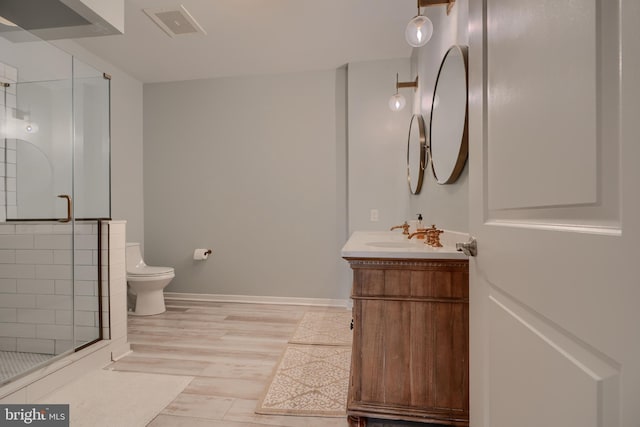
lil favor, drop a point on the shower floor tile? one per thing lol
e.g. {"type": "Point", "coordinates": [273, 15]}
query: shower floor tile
{"type": "Point", "coordinates": [13, 363]}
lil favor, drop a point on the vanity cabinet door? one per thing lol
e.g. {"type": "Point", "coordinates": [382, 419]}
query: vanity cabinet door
{"type": "Point", "coordinates": [410, 348]}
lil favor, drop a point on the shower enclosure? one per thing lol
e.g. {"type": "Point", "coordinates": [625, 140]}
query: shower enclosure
{"type": "Point", "coordinates": [54, 193]}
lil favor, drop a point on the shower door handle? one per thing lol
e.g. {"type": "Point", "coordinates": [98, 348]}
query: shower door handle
{"type": "Point", "coordinates": [68, 218]}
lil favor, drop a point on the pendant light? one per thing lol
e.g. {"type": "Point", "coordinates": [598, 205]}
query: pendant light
{"type": "Point", "coordinates": [420, 29]}
{"type": "Point", "coordinates": [397, 101]}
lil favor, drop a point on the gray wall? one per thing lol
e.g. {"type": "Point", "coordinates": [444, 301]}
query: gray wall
{"type": "Point", "coordinates": [126, 141]}
{"type": "Point", "coordinates": [377, 145]}
{"type": "Point", "coordinates": [250, 167]}
{"type": "Point", "coordinates": [446, 206]}
{"type": "Point", "coordinates": [256, 168]}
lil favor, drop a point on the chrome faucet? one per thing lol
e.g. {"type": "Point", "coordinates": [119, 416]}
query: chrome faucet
{"type": "Point", "coordinates": [405, 228]}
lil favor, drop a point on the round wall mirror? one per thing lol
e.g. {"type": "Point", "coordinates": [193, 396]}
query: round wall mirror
{"type": "Point", "coordinates": [416, 153]}
{"type": "Point", "coordinates": [448, 139]}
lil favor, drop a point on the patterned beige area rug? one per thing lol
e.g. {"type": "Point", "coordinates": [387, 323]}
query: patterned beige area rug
{"type": "Point", "coordinates": [324, 328]}
{"type": "Point", "coordinates": [311, 380]}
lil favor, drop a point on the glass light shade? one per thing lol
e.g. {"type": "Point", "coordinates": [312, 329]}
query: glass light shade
{"type": "Point", "coordinates": [397, 102]}
{"type": "Point", "coordinates": [419, 31]}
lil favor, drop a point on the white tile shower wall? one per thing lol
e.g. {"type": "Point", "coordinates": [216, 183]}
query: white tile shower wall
{"type": "Point", "coordinates": [8, 74]}
{"type": "Point", "coordinates": [36, 290]}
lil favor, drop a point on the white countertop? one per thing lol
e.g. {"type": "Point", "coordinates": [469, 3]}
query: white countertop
{"type": "Point", "coordinates": [393, 244]}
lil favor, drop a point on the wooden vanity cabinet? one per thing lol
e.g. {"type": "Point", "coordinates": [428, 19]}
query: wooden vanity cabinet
{"type": "Point", "coordinates": [410, 357]}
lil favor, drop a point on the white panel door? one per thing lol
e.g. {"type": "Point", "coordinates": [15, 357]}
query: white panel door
{"type": "Point", "coordinates": [555, 206]}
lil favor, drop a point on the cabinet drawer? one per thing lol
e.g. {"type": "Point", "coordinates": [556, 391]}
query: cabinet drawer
{"type": "Point", "coordinates": [432, 280]}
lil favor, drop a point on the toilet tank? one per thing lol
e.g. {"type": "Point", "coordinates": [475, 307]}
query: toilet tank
{"type": "Point", "coordinates": [133, 256]}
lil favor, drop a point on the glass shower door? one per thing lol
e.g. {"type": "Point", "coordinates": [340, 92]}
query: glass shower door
{"type": "Point", "coordinates": [39, 197]}
{"type": "Point", "coordinates": [92, 204]}
{"type": "Point", "coordinates": [62, 176]}
{"type": "Point", "coordinates": [54, 192]}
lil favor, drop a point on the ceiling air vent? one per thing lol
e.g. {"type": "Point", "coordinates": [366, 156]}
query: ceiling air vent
{"type": "Point", "coordinates": [175, 22]}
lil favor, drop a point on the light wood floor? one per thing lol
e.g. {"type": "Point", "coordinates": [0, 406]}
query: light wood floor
{"type": "Point", "coordinates": [230, 349]}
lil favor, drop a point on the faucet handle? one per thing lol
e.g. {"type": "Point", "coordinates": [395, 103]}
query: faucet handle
{"type": "Point", "coordinates": [405, 228]}
{"type": "Point", "coordinates": [433, 236]}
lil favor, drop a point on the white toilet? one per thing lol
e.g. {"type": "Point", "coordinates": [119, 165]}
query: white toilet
{"type": "Point", "coordinates": [146, 282]}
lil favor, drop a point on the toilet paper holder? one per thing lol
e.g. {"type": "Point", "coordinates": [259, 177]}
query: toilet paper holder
{"type": "Point", "coordinates": [201, 254]}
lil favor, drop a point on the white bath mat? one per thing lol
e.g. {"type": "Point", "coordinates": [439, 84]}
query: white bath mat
{"type": "Point", "coordinates": [114, 398]}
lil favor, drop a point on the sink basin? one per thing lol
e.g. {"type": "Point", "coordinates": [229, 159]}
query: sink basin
{"type": "Point", "coordinates": [392, 244]}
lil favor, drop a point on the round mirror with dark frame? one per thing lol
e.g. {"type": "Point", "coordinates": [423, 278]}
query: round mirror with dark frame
{"type": "Point", "coordinates": [448, 128]}
{"type": "Point", "coordinates": [416, 153]}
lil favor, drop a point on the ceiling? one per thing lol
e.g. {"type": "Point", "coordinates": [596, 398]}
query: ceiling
{"type": "Point", "coordinates": [256, 37]}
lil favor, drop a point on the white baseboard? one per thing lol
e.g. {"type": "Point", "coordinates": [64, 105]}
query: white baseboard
{"type": "Point", "coordinates": [323, 302]}
{"type": "Point", "coordinates": [120, 349]}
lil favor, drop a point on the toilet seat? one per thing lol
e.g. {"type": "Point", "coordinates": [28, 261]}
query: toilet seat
{"type": "Point", "coordinates": [150, 271]}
